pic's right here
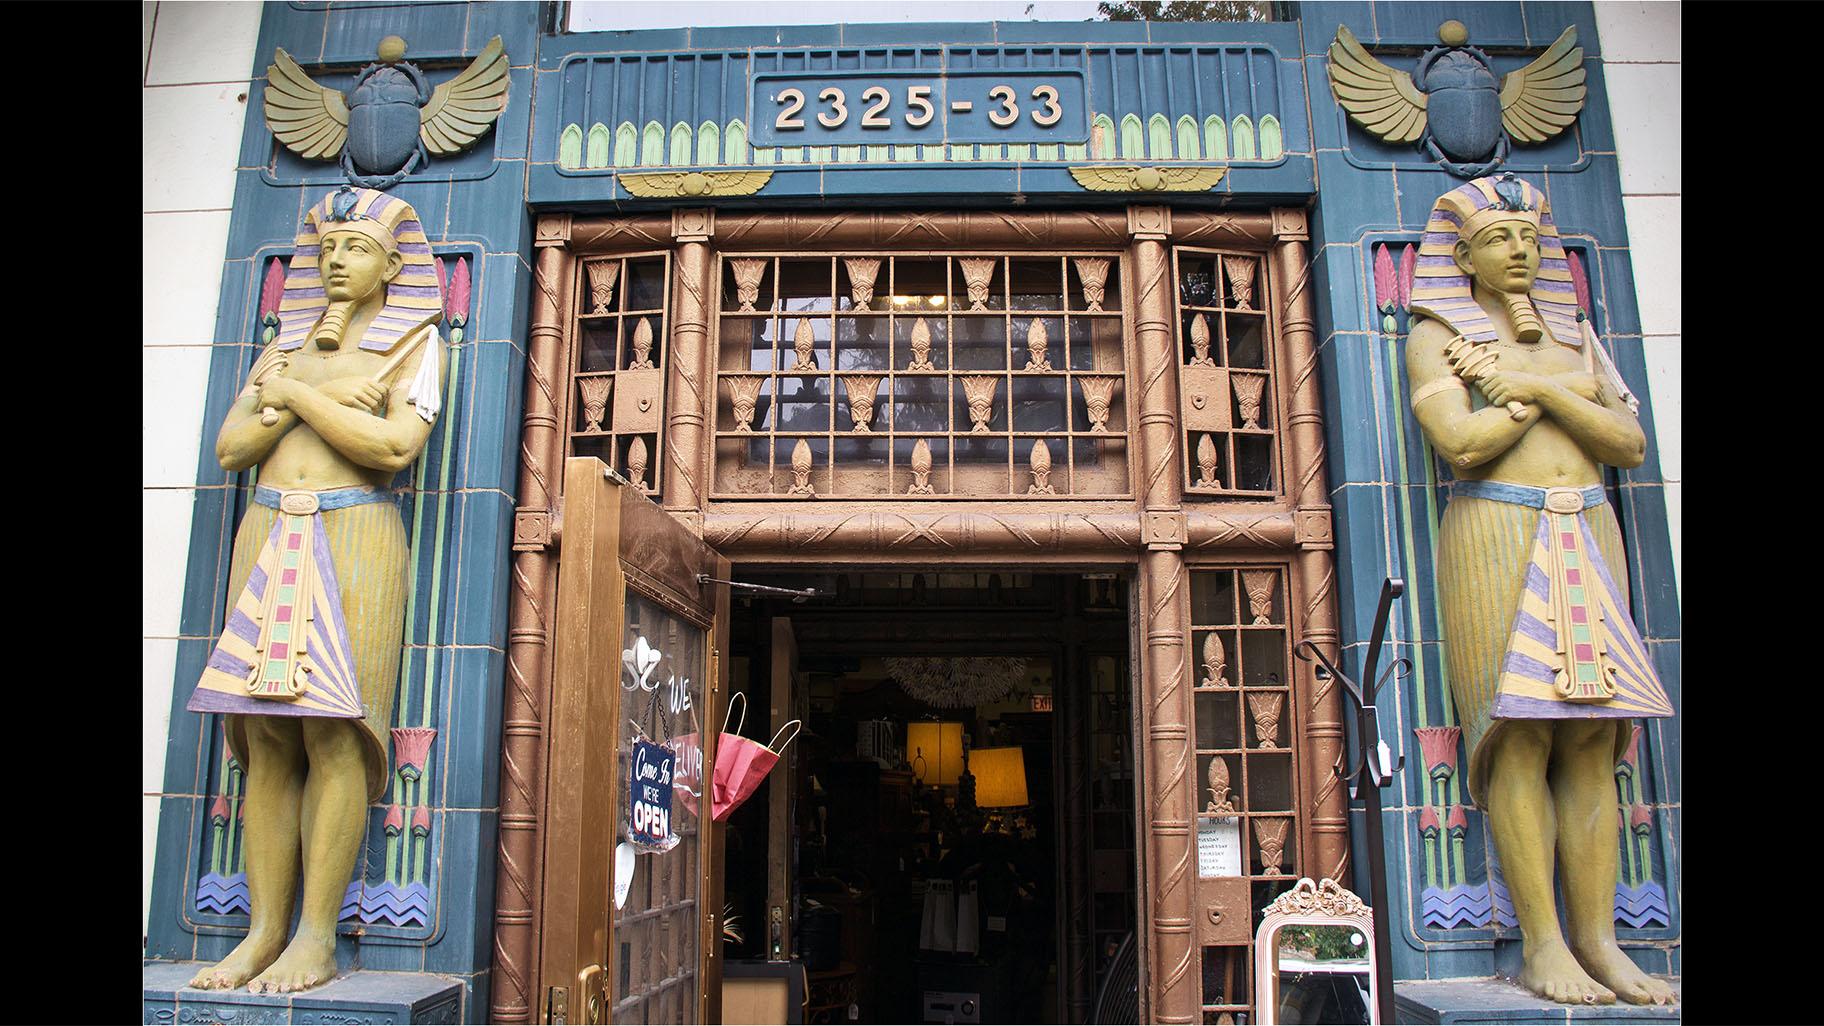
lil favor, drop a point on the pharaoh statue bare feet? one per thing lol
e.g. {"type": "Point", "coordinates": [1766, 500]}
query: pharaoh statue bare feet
{"type": "Point", "coordinates": [242, 964]}
{"type": "Point", "coordinates": [1553, 974]}
{"type": "Point", "coordinates": [1609, 964]}
{"type": "Point", "coordinates": [304, 964]}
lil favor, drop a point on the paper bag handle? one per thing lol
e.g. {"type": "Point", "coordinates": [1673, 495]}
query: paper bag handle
{"type": "Point", "coordinates": [740, 697]}
{"type": "Point", "coordinates": [775, 746]}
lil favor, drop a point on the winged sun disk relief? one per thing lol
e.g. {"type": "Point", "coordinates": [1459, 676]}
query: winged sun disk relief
{"type": "Point", "coordinates": [661, 184]}
{"type": "Point", "coordinates": [312, 121]}
{"type": "Point", "coordinates": [1100, 178]}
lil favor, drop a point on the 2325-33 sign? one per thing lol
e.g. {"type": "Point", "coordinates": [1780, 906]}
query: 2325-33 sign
{"type": "Point", "coordinates": [846, 108]}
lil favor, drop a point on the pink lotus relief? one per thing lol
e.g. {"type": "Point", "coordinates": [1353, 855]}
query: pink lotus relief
{"type": "Point", "coordinates": [411, 749]}
{"type": "Point", "coordinates": [218, 810]}
{"type": "Point", "coordinates": [395, 819]}
{"type": "Point", "coordinates": [1428, 821]}
{"type": "Point", "coordinates": [1386, 292]}
{"type": "Point", "coordinates": [1439, 745]}
{"type": "Point", "coordinates": [1582, 283]}
{"type": "Point", "coordinates": [421, 820]}
{"type": "Point", "coordinates": [1631, 756]}
{"type": "Point", "coordinates": [272, 290]}
{"type": "Point", "coordinates": [1409, 264]}
{"type": "Point", "coordinates": [1457, 820]}
{"type": "Point", "coordinates": [456, 295]}
{"type": "Point", "coordinates": [1640, 817]}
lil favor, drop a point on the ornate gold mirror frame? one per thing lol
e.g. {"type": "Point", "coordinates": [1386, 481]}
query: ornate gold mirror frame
{"type": "Point", "coordinates": [1309, 904]}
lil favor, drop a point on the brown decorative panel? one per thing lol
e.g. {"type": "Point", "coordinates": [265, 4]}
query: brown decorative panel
{"type": "Point", "coordinates": [1227, 354]}
{"type": "Point", "coordinates": [1245, 724]}
{"type": "Point", "coordinates": [618, 361]}
{"type": "Point", "coordinates": [921, 376]}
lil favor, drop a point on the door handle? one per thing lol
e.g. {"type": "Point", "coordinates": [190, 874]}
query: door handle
{"type": "Point", "coordinates": [589, 993]}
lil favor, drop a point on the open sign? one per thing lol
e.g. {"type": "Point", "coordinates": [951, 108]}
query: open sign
{"type": "Point", "coordinates": [649, 787]}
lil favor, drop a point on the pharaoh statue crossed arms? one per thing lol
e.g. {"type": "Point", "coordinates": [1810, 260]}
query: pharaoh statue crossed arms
{"type": "Point", "coordinates": [307, 667]}
{"type": "Point", "coordinates": [1546, 667]}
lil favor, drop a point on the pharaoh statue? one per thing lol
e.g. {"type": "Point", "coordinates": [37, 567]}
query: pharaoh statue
{"type": "Point", "coordinates": [306, 670]}
{"type": "Point", "coordinates": [1545, 664]}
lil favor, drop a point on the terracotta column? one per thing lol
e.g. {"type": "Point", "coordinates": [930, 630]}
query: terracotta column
{"type": "Point", "coordinates": [1165, 700]}
{"type": "Point", "coordinates": [528, 638]}
{"type": "Point", "coordinates": [1314, 570]}
{"type": "Point", "coordinates": [688, 402]}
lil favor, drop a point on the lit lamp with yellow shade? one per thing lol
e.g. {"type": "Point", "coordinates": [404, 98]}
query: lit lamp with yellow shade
{"type": "Point", "coordinates": [936, 752]}
{"type": "Point", "coordinates": [1000, 780]}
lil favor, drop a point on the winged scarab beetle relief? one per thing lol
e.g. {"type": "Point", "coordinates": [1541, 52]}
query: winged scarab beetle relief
{"type": "Point", "coordinates": [381, 131]}
{"type": "Point", "coordinates": [1452, 104]}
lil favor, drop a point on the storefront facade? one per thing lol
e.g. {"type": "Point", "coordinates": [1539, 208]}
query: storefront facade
{"type": "Point", "coordinates": [1122, 306]}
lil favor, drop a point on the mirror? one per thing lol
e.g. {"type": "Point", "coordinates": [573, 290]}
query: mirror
{"type": "Point", "coordinates": [1314, 958]}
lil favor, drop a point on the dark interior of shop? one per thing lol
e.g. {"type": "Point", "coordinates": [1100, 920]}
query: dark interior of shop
{"type": "Point", "coordinates": [959, 840]}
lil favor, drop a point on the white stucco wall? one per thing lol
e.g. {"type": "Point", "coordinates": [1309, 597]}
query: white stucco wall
{"type": "Point", "coordinates": [1640, 62]}
{"type": "Point", "coordinates": [195, 64]}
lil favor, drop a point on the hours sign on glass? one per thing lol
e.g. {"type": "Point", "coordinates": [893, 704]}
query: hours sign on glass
{"type": "Point", "coordinates": [851, 108]}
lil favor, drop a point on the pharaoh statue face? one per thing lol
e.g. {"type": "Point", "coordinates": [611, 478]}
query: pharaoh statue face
{"type": "Point", "coordinates": [1503, 257]}
{"type": "Point", "coordinates": [355, 267]}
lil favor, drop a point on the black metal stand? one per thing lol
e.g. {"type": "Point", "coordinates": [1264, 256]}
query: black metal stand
{"type": "Point", "coordinates": [1372, 770]}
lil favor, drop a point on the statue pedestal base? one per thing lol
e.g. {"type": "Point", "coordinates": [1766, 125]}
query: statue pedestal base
{"type": "Point", "coordinates": [1498, 1001]}
{"type": "Point", "coordinates": [360, 996]}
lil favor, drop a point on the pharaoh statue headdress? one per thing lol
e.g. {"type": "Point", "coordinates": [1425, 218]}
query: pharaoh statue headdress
{"type": "Point", "coordinates": [412, 298]}
{"type": "Point", "coordinates": [1441, 290]}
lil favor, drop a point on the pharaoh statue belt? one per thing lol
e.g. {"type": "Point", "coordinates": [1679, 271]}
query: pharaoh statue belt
{"type": "Point", "coordinates": [285, 649]}
{"type": "Point", "coordinates": [1572, 640]}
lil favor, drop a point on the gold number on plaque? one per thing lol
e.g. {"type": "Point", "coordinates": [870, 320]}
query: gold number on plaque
{"type": "Point", "coordinates": [838, 113]}
{"type": "Point", "coordinates": [918, 97]}
{"type": "Point", "coordinates": [1009, 112]}
{"type": "Point", "coordinates": [794, 102]}
{"type": "Point", "coordinates": [1052, 112]}
{"type": "Point", "coordinates": [879, 97]}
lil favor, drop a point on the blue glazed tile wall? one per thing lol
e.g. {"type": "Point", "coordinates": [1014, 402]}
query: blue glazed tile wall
{"type": "Point", "coordinates": [1370, 192]}
{"type": "Point", "coordinates": [474, 207]}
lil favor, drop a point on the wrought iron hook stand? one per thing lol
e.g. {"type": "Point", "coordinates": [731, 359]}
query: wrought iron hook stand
{"type": "Point", "coordinates": [1371, 770]}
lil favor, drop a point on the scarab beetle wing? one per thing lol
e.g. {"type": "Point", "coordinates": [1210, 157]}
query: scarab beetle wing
{"type": "Point", "coordinates": [462, 108]}
{"type": "Point", "coordinates": [1543, 98]}
{"type": "Point", "coordinates": [310, 120]}
{"type": "Point", "coordinates": [1379, 98]}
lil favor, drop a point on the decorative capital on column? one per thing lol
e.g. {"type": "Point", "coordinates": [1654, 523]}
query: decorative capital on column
{"type": "Point", "coordinates": [1311, 528]}
{"type": "Point", "coordinates": [693, 225]}
{"type": "Point", "coordinates": [1290, 225]}
{"type": "Point", "coordinates": [1164, 531]}
{"type": "Point", "coordinates": [1153, 223]}
{"type": "Point", "coordinates": [531, 530]}
{"type": "Point", "coordinates": [553, 230]}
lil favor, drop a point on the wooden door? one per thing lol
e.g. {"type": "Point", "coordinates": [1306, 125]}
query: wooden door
{"type": "Point", "coordinates": [638, 657]}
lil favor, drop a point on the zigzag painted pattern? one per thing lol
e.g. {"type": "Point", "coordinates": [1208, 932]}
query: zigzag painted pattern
{"type": "Point", "coordinates": [1641, 906]}
{"type": "Point", "coordinates": [1471, 905]}
{"type": "Point", "coordinates": [410, 903]}
{"type": "Point", "coordinates": [398, 904]}
{"type": "Point", "coordinates": [1504, 905]}
{"type": "Point", "coordinates": [1463, 905]}
{"type": "Point", "coordinates": [221, 894]}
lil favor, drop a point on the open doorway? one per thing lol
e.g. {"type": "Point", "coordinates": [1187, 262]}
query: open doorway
{"type": "Point", "coordinates": [951, 837]}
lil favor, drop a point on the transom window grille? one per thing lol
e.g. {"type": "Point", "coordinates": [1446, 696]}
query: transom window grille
{"type": "Point", "coordinates": [922, 376]}
{"type": "Point", "coordinates": [618, 363]}
{"type": "Point", "coordinates": [1225, 374]}
{"type": "Point", "coordinates": [1245, 725]}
